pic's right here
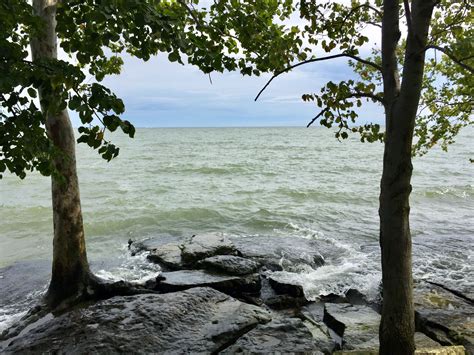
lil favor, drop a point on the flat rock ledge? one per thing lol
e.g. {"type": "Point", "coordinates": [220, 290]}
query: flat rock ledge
{"type": "Point", "coordinates": [200, 320]}
{"type": "Point", "coordinates": [264, 253]}
{"type": "Point", "coordinates": [238, 266]}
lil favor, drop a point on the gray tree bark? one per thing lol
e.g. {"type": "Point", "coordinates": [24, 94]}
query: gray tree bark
{"type": "Point", "coordinates": [397, 326]}
{"type": "Point", "coordinates": [70, 269]}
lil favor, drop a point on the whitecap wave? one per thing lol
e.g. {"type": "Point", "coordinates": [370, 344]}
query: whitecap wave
{"type": "Point", "coordinates": [349, 267]}
{"type": "Point", "coordinates": [130, 268]}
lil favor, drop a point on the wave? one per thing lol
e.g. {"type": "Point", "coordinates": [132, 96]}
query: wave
{"type": "Point", "coordinates": [458, 191]}
{"type": "Point", "coordinates": [206, 170]}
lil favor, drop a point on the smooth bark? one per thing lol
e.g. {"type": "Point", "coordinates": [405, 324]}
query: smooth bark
{"type": "Point", "coordinates": [70, 270]}
{"type": "Point", "coordinates": [397, 326]}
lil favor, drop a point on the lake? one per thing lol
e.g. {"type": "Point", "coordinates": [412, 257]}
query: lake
{"type": "Point", "coordinates": [288, 182]}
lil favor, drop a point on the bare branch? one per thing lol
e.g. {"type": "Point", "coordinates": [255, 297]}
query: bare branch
{"type": "Point", "coordinates": [374, 24]}
{"type": "Point", "coordinates": [341, 55]}
{"type": "Point", "coordinates": [451, 56]}
{"type": "Point", "coordinates": [317, 116]}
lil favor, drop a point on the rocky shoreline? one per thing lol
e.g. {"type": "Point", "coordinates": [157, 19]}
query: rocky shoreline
{"type": "Point", "coordinates": [220, 294]}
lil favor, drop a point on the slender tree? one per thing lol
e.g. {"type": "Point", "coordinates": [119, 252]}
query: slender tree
{"type": "Point", "coordinates": [427, 99]}
{"type": "Point", "coordinates": [95, 34]}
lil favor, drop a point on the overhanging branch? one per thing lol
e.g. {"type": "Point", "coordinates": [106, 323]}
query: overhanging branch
{"type": "Point", "coordinates": [451, 56]}
{"type": "Point", "coordinates": [317, 116]}
{"type": "Point", "coordinates": [354, 9]}
{"type": "Point", "coordinates": [367, 95]}
{"type": "Point", "coordinates": [357, 94]}
{"type": "Point", "coordinates": [191, 13]}
{"type": "Point", "coordinates": [341, 55]}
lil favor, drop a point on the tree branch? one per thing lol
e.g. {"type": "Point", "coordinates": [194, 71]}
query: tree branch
{"type": "Point", "coordinates": [354, 9]}
{"type": "Point", "coordinates": [317, 116]}
{"type": "Point", "coordinates": [341, 55]}
{"type": "Point", "coordinates": [356, 94]}
{"type": "Point", "coordinates": [191, 13]}
{"type": "Point", "coordinates": [408, 16]}
{"type": "Point", "coordinates": [374, 24]}
{"type": "Point", "coordinates": [366, 95]}
{"type": "Point", "coordinates": [451, 56]}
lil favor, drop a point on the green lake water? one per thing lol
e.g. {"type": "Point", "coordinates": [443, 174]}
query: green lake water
{"type": "Point", "coordinates": [287, 182]}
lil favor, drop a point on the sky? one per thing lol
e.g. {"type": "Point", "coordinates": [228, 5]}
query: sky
{"type": "Point", "coordinates": [158, 93]}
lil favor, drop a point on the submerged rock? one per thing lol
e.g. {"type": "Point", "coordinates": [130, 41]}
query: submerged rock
{"type": "Point", "coordinates": [200, 320]}
{"type": "Point", "coordinates": [230, 264]}
{"type": "Point", "coordinates": [281, 336]}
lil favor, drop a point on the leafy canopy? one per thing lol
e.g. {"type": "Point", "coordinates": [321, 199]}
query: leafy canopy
{"type": "Point", "coordinates": [229, 35]}
{"type": "Point", "coordinates": [249, 36]}
{"type": "Point", "coordinates": [332, 30]}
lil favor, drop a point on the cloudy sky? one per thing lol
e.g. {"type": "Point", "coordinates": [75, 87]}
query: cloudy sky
{"type": "Point", "coordinates": [163, 94]}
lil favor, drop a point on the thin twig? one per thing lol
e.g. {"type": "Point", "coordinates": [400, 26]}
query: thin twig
{"type": "Point", "coordinates": [317, 116]}
{"type": "Point", "coordinates": [451, 56]}
{"type": "Point", "coordinates": [354, 9]}
{"type": "Point", "coordinates": [341, 55]}
{"type": "Point", "coordinates": [351, 95]}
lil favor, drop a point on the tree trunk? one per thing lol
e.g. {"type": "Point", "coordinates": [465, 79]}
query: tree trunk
{"type": "Point", "coordinates": [397, 326]}
{"type": "Point", "coordinates": [70, 269]}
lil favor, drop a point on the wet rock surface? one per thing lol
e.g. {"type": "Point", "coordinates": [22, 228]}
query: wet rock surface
{"type": "Point", "coordinates": [185, 279]}
{"type": "Point", "coordinates": [278, 300]}
{"type": "Point", "coordinates": [279, 336]}
{"type": "Point", "coordinates": [291, 254]}
{"type": "Point", "coordinates": [202, 246]}
{"type": "Point", "coordinates": [167, 255]}
{"type": "Point", "coordinates": [21, 279]}
{"type": "Point", "coordinates": [271, 253]}
{"type": "Point", "coordinates": [220, 294]}
{"type": "Point", "coordinates": [444, 315]}
{"type": "Point", "coordinates": [230, 264]}
{"type": "Point", "coordinates": [358, 326]}
{"type": "Point", "coordinates": [200, 320]}
{"type": "Point", "coordinates": [283, 286]}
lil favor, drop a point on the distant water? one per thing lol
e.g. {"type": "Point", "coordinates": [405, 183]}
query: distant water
{"type": "Point", "coordinates": [290, 182]}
